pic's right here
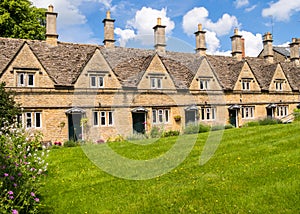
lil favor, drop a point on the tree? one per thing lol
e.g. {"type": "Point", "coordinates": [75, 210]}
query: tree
{"type": "Point", "coordinates": [19, 19]}
{"type": "Point", "coordinates": [9, 109]}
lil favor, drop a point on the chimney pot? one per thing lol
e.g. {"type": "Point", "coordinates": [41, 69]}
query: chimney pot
{"type": "Point", "coordinates": [236, 43]}
{"type": "Point", "coordinates": [50, 8]}
{"type": "Point", "coordinates": [236, 31]}
{"type": "Point", "coordinates": [199, 27]}
{"type": "Point", "coordinates": [109, 39]}
{"type": "Point", "coordinates": [200, 41]}
{"type": "Point", "coordinates": [158, 21]}
{"type": "Point", "coordinates": [159, 37]}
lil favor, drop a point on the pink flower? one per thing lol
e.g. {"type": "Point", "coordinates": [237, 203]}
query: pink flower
{"type": "Point", "coordinates": [10, 192]}
{"type": "Point", "coordinates": [32, 194]}
{"type": "Point", "coordinates": [5, 175]}
{"type": "Point", "coordinates": [37, 199]}
{"type": "Point", "coordinates": [15, 212]}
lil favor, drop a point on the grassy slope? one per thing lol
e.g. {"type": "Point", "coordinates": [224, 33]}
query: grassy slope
{"type": "Point", "coordinates": [254, 170]}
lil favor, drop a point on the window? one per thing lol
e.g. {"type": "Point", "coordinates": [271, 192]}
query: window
{"type": "Point", "coordinates": [278, 85]}
{"type": "Point", "coordinates": [106, 118]}
{"type": "Point", "coordinates": [32, 120]}
{"type": "Point", "coordinates": [204, 84]}
{"type": "Point", "coordinates": [25, 79]}
{"type": "Point", "coordinates": [208, 113]}
{"type": "Point", "coordinates": [103, 118]}
{"type": "Point", "coordinates": [246, 84]}
{"type": "Point", "coordinates": [96, 118]}
{"type": "Point", "coordinates": [110, 118]}
{"type": "Point", "coordinates": [248, 112]}
{"type": "Point", "coordinates": [96, 81]}
{"type": "Point", "coordinates": [156, 82]}
{"type": "Point", "coordinates": [282, 111]}
{"type": "Point", "coordinates": [160, 116]}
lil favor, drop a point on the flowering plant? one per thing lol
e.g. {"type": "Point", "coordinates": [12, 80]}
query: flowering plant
{"type": "Point", "coordinates": [22, 166]}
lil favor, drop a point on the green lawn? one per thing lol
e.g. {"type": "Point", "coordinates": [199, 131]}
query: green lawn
{"type": "Point", "coordinates": [254, 170]}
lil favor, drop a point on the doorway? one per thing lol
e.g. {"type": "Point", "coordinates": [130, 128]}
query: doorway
{"type": "Point", "coordinates": [138, 122]}
{"type": "Point", "coordinates": [190, 117]}
{"type": "Point", "coordinates": [233, 117]}
{"type": "Point", "coordinates": [75, 130]}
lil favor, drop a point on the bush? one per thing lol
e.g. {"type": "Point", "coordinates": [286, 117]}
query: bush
{"type": "Point", "coordinates": [136, 137]}
{"type": "Point", "coordinates": [251, 124]}
{"type": "Point", "coordinates": [118, 138]}
{"type": "Point", "coordinates": [71, 143]}
{"type": "Point", "coordinates": [269, 121]}
{"type": "Point", "coordinates": [22, 166]}
{"type": "Point", "coordinates": [170, 133]}
{"type": "Point", "coordinates": [297, 114]}
{"type": "Point", "coordinates": [229, 126]}
{"type": "Point", "coordinates": [155, 132]}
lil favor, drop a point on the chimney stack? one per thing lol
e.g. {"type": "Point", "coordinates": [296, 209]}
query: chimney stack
{"type": "Point", "coordinates": [268, 52]}
{"type": "Point", "coordinates": [200, 41]}
{"type": "Point", "coordinates": [51, 34]}
{"type": "Point", "coordinates": [109, 40]}
{"type": "Point", "coordinates": [236, 42]}
{"type": "Point", "coordinates": [294, 50]}
{"type": "Point", "coordinates": [159, 37]}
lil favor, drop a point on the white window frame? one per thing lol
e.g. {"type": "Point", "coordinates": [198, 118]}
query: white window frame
{"type": "Point", "coordinates": [246, 84]}
{"type": "Point", "coordinates": [103, 116]}
{"type": "Point", "coordinates": [33, 118]}
{"type": "Point", "coordinates": [208, 113]}
{"type": "Point", "coordinates": [248, 112]}
{"type": "Point", "coordinates": [110, 119]}
{"type": "Point", "coordinates": [160, 116]}
{"type": "Point", "coordinates": [156, 82]}
{"type": "Point", "coordinates": [278, 85]}
{"type": "Point", "coordinates": [282, 110]}
{"type": "Point", "coordinates": [25, 79]}
{"type": "Point", "coordinates": [98, 81]}
{"type": "Point", "coordinates": [95, 118]}
{"type": "Point", "coordinates": [204, 84]}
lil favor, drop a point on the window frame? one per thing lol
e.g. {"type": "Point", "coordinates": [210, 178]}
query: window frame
{"type": "Point", "coordinates": [160, 116]}
{"type": "Point", "coordinates": [248, 112]}
{"type": "Point", "coordinates": [95, 118]}
{"type": "Point", "coordinates": [208, 113]}
{"type": "Point", "coordinates": [35, 121]}
{"type": "Point", "coordinates": [102, 117]}
{"type": "Point", "coordinates": [156, 83]}
{"type": "Point", "coordinates": [282, 110]}
{"type": "Point", "coordinates": [28, 79]}
{"type": "Point", "coordinates": [246, 84]}
{"type": "Point", "coordinates": [204, 84]}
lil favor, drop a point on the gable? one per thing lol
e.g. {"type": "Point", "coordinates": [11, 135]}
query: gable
{"type": "Point", "coordinates": [97, 66]}
{"type": "Point", "coordinates": [205, 73]}
{"type": "Point", "coordinates": [279, 81]}
{"type": "Point", "coordinates": [246, 75]}
{"type": "Point", "coordinates": [26, 62]}
{"type": "Point", "coordinates": [156, 71]}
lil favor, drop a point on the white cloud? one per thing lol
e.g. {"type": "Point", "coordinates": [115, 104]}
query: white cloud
{"type": "Point", "coordinates": [200, 15]}
{"type": "Point", "coordinates": [241, 3]}
{"type": "Point", "coordinates": [253, 43]}
{"type": "Point", "coordinates": [124, 35]}
{"type": "Point", "coordinates": [143, 23]}
{"type": "Point", "coordinates": [249, 9]}
{"type": "Point", "coordinates": [282, 10]}
{"type": "Point", "coordinates": [212, 42]}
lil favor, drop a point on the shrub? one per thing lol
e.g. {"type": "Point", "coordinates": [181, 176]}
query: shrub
{"type": "Point", "coordinates": [191, 129]}
{"type": "Point", "coordinates": [269, 121]}
{"type": "Point", "coordinates": [170, 133]}
{"type": "Point", "coordinates": [118, 138]}
{"type": "Point", "coordinates": [229, 126]}
{"type": "Point", "coordinates": [71, 143]}
{"type": "Point", "coordinates": [251, 124]}
{"type": "Point", "coordinates": [136, 136]}
{"type": "Point", "coordinates": [155, 132]}
{"type": "Point", "coordinates": [22, 166]}
{"type": "Point", "coordinates": [204, 128]}
{"type": "Point", "coordinates": [297, 114]}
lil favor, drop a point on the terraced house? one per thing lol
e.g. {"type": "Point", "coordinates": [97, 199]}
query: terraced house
{"type": "Point", "coordinates": [79, 91]}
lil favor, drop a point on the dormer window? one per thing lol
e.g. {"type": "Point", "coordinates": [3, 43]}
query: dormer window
{"type": "Point", "coordinates": [25, 80]}
{"type": "Point", "coordinates": [96, 81]}
{"type": "Point", "coordinates": [279, 85]}
{"type": "Point", "coordinates": [246, 84]}
{"type": "Point", "coordinates": [204, 84]}
{"type": "Point", "coordinates": [156, 82]}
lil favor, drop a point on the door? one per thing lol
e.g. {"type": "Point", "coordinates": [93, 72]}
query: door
{"type": "Point", "coordinates": [190, 116]}
{"type": "Point", "coordinates": [75, 130]}
{"type": "Point", "coordinates": [138, 122]}
{"type": "Point", "coordinates": [233, 117]}
{"type": "Point", "coordinates": [270, 112]}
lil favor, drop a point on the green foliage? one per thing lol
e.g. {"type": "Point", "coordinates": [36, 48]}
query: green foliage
{"type": "Point", "coordinates": [229, 126]}
{"type": "Point", "coordinates": [19, 19]}
{"type": "Point", "coordinates": [254, 170]}
{"type": "Point", "coordinates": [9, 109]}
{"type": "Point", "coordinates": [196, 128]}
{"type": "Point", "coordinates": [155, 132]}
{"type": "Point", "coordinates": [251, 124]}
{"type": "Point", "coordinates": [71, 143]}
{"type": "Point", "coordinates": [269, 121]}
{"type": "Point", "coordinates": [136, 136]}
{"type": "Point", "coordinates": [22, 167]}
{"type": "Point", "coordinates": [297, 114]}
{"type": "Point", "coordinates": [118, 138]}
{"type": "Point", "coordinates": [170, 133]}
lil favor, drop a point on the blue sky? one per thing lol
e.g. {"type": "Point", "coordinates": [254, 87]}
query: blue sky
{"type": "Point", "coordinates": [80, 21]}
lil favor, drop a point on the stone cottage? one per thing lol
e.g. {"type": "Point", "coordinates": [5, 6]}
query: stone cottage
{"type": "Point", "coordinates": [79, 91]}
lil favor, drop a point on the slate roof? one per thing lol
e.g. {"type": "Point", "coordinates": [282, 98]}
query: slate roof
{"type": "Point", "coordinates": [65, 62]}
{"type": "Point", "coordinates": [283, 50]}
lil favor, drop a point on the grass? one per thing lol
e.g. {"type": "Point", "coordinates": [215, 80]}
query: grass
{"type": "Point", "coordinates": [254, 170]}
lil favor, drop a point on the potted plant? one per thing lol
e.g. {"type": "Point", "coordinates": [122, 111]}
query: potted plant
{"type": "Point", "coordinates": [177, 118]}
